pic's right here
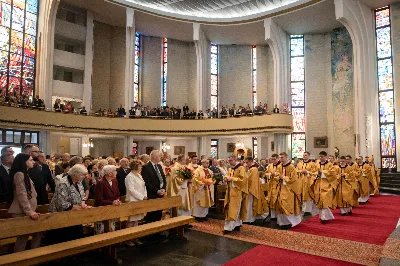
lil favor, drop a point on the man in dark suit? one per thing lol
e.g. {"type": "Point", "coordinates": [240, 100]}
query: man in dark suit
{"type": "Point", "coordinates": [122, 172]}
{"type": "Point", "coordinates": [185, 109]}
{"type": "Point", "coordinates": [6, 186]}
{"type": "Point", "coordinates": [47, 177]}
{"type": "Point", "coordinates": [154, 178]}
{"type": "Point", "coordinates": [38, 178]}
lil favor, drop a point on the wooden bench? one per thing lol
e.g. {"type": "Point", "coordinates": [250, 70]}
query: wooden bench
{"type": "Point", "coordinates": [24, 225]}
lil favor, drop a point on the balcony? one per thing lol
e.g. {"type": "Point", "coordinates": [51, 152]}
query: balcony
{"type": "Point", "coordinates": [67, 89]}
{"type": "Point", "coordinates": [50, 121]}
{"type": "Point", "coordinates": [70, 30]}
{"type": "Point", "coordinates": [69, 60]}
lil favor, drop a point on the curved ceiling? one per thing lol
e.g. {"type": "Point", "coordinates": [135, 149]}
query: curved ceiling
{"type": "Point", "coordinates": [214, 10]}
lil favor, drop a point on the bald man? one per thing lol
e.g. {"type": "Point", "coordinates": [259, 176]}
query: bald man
{"type": "Point", "coordinates": [122, 172]}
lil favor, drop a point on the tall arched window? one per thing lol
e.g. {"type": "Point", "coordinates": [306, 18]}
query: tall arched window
{"type": "Point", "coordinates": [214, 76]}
{"type": "Point", "coordinates": [18, 29]}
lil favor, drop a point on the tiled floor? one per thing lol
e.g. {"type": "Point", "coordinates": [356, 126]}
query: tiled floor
{"type": "Point", "coordinates": [200, 249]}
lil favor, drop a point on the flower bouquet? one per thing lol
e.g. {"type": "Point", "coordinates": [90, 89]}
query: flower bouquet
{"type": "Point", "coordinates": [185, 172]}
{"type": "Point", "coordinates": [218, 178]}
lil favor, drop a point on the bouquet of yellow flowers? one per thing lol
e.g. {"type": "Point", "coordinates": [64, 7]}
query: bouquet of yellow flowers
{"type": "Point", "coordinates": [185, 172]}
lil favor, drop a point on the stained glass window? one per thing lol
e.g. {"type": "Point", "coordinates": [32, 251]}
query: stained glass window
{"type": "Point", "coordinates": [255, 149]}
{"type": "Point", "coordinates": [214, 76]}
{"type": "Point", "coordinates": [385, 85]}
{"type": "Point", "coordinates": [18, 30]}
{"type": "Point", "coordinates": [254, 74]}
{"type": "Point", "coordinates": [137, 69]}
{"type": "Point", "coordinates": [214, 148]}
{"type": "Point", "coordinates": [164, 73]}
{"type": "Point", "coordinates": [298, 95]}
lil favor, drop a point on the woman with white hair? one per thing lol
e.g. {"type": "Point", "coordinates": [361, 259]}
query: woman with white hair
{"type": "Point", "coordinates": [69, 195]}
{"type": "Point", "coordinates": [106, 193]}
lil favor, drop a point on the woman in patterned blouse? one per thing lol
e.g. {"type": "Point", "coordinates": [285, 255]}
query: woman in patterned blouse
{"type": "Point", "coordinates": [69, 195]}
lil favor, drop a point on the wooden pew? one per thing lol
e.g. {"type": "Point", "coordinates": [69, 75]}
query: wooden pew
{"type": "Point", "coordinates": [24, 225]}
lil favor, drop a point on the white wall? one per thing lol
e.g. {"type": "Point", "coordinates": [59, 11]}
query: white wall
{"type": "Point", "coordinates": [69, 60]}
{"type": "Point", "coordinates": [108, 147]}
{"type": "Point", "coordinates": [67, 89]}
{"type": "Point", "coordinates": [151, 71]}
{"type": "Point", "coordinates": [234, 75]}
{"type": "Point", "coordinates": [70, 30]}
{"type": "Point", "coordinates": [318, 88]}
{"type": "Point", "coordinates": [181, 84]}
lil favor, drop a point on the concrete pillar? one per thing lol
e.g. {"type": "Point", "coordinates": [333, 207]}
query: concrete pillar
{"type": "Point", "coordinates": [130, 58]}
{"type": "Point", "coordinates": [87, 82]}
{"type": "Point", "coordinates": [202, 46]}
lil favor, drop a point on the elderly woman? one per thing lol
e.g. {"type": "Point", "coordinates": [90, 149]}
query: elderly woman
{"type": "Point", "coordinates": [106, 193]}
{"type": "Point", "coordinates": [69, 195]}
{"type": "Point", "coordinates": [135, 191]}
{"type": "Point", "coordinates": [24, 203]}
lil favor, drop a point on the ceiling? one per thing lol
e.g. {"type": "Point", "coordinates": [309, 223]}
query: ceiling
{"type": "Point", "coordinates": [318, 18]}
{"type": "Point", "coordinates": [213, 9]}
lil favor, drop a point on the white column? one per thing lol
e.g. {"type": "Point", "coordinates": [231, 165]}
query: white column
{"type": "Point", "coordinates": [359, 21]}
{"type": "Point", "coordinates": [87, 82]}
{"type": "Point", "coordinates": [282, 143]}
{"type": "Point", "coordinates": [44, 142]}
{"type": "Point", "coordinates": [45, 51]}
{"type": "Point", "coordinates": [278, 41]}
{"type": "Point", "coordinates": [204, 146]}
{"type": "Point", "coordinates": [130, 58]}
{"type": "Point", "coordinates": [203, 73]}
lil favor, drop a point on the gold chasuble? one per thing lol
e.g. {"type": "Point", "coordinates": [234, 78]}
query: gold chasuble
{"type": "Point", "coordinates": [378, 180]}
{"type": "Point", "coordinates": [364, 178]}
{"type": "Point", "coordinates": [201, 186]}
{"type": "Point", "coordinates": [234, 193]}
{"type": "Point", "coordinates": [325, 185]}
{"type": "Point", "coordinates": [167, 172]}
{"type": "Point", "coordinates": [273, 183]}
{"type": "Point", "coordinates": [177, 181]}
{"type": "Point", "coordinates": [306, 179]}
{"type": "Point", "coordinates": [259, 201]}
{"type": "Point", "coordinates": [373, 184]}
{"type": "Point", "coordinates": [289, 191]}
{"type": "Point", "coordinates": [346, 195]}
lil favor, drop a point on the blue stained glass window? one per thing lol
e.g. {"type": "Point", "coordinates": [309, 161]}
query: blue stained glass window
{"type": "Point", "coordinates": [214, 148]}
{"type": "Point", "coordinates": [385, 74]}
{"type": "Point", "coordinates": [386, 86]}
{"type": "Point", "coordinates": [32, 6]}
{"type": "Point", "coordinates": [296, 46]}
{"type": "Point", "coordinates": [384, 46]}
{"type": "Point", "coordinates": [165, 72]}
{"type": "Point", "coordinates": [17, 19]}
{"type": "Point", "coordinates": [298, 94]}
{"type": "Point", "coordinates": [386, 107]}
{"type": "Point", "coordinates": [214, 76]}
{"type": "Point", "coordinates": [254, 75]}
{"type": "Point", "coordinates": [5, 14]}
{"type": "Point", "coordinates": [388, 140]}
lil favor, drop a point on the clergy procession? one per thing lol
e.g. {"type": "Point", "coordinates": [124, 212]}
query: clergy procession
{"type": "Point", "coordinates": [287, 191]}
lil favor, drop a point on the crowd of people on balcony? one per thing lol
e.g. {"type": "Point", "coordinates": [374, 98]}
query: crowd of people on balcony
{"type": "Point", "coordinates": [140, 111]}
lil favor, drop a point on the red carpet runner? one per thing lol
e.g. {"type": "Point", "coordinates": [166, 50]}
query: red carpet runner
{"type": "Point", "coordinates": [370, 223]}
{"type": "Point", "coordinates": [265, 255]}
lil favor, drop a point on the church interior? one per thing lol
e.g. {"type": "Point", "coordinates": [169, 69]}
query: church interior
{"type": "Point", "coordinates": [199, 132]}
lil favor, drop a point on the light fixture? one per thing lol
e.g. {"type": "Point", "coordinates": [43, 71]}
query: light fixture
{"type": "Point", "coordinates": [165, 146]}
{"type": "Point", "coordinates": [88, 144]}
{"type": "Point", "coordinates": [239, 144]}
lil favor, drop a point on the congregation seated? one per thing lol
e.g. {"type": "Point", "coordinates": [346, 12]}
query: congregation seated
{"type": "Point", "coordinates": [83, 111]}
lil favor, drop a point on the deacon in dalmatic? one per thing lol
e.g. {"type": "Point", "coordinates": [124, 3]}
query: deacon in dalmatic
{"type": "Point", "coordinates": [236, 187]}
{"type": "Point", "coordinates": [274, 170]}
{"type": "Point", "coordinates": [289, 194]}
{"type": "Point", "coordinates": [325, 186]}
{"type": "Point", "coordinates": [256, 202]}
{"type": "Point", "coordinates": [179, 186]}
{"type": "Point", "coordinates": [364, 176]}
{"type": "Point", "coordinates": [346, 192]}
{"type": "Point", "coordinates": [305, 169]}
{"type": "Point", "coordinates": [203, 197]}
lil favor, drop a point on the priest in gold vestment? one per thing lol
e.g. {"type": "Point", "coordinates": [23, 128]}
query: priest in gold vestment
{"type": "Point", "coordinates": [274, 170]}
{"type": "Point", "coordinates": [364, 177]}
{"type": "Point", "coordinates": [235, 188]}
{"type": "Point", "coordinates": [325, 186]}
{"type": "Point", "coordinates": [179, 186]}
{"type": "Point", "coordinates": [346, 194]}
{"type": "Point", "coordinates": [257, 207]}
{"type": "Point", "coordinates": [305, 169]}
{"type": "Point", "coordinates": [203, 198]}
{"type": "Point", "coordinates": [373, 181]}
{"type": "Point", "coordinates": [289, 194]}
